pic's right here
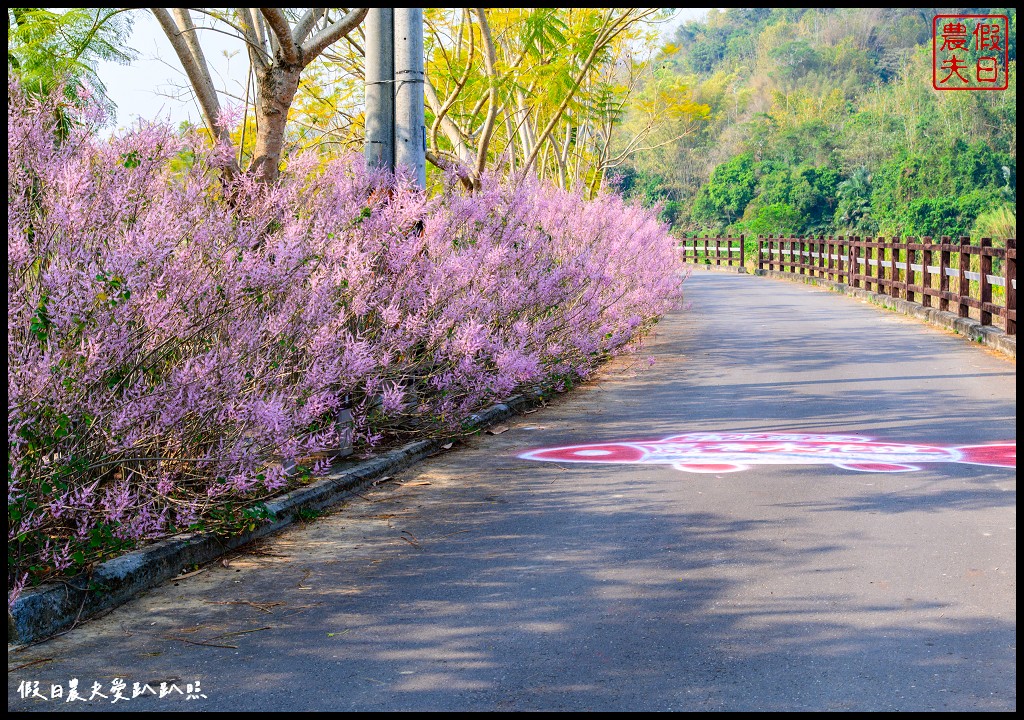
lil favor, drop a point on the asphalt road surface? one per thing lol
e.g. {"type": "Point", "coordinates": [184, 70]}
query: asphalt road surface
{"type": "Point", "coordinates": [482, 581]}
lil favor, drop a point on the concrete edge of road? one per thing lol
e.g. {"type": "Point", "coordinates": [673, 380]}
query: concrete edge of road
{"type": "Point", "coordinates": [51, 609]}
{"type": "Point", "coordinates": [717, 268]}
{"type": "Point", "coordinates": [968, 329]}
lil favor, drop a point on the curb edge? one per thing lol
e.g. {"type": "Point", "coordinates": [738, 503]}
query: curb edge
{"type": "Point", "coordinates": [55, 608]}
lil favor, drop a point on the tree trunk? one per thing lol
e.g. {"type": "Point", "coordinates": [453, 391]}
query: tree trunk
{"type": "Point", "coordinates": [277, 70]}
{"type": "Point", "coordinates": [277, 87]}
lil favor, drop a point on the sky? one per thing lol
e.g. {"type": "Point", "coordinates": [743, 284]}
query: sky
{"type": "Point", "coordinates": [155, 87]}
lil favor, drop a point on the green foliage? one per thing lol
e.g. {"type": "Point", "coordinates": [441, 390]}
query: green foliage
{"type": "Point", "coordinates": [953, 216]}
{"type": "Point", "coordinates": [914, 193]}
{"type": "Point", "coordinates": [46, 47]}
{"type": "Point", "coordinates": [795, 59]}
{"type": "Point", "coordinates": [853, 209]}
{"type": "Point", "coordinates": [998, 223]}
{"type": "Point", "coordinates": [823, 121]}
{"type": "Point", "coordinates": [776, 219]}
{"type": "Point", "coordinates": [747, 195]}
{"type": "Point", "coordinates": [309, 514]}
{"type": "Point", "coordinates": [729, 191]}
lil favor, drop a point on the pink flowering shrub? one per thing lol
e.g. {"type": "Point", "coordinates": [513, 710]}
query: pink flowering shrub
{"type": "Point", "coordinates": [170, 351]}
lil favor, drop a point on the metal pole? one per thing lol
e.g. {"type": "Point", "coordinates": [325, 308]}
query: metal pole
{"type": "Point", "coordinates": [380, 93]}
{"type": "Point", "coordinates": [410, 128]}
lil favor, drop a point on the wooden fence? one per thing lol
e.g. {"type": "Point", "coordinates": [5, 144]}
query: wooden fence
{"type": "Point", "coordinates": [953, 275]}
{"type": "Point", "coordinates": [713, 250]}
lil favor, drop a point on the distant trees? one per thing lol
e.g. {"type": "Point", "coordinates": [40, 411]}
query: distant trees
{"type": "Point", "coordinates": [854, 208]}
{"type": "Point", "coordinates": [824, 121]}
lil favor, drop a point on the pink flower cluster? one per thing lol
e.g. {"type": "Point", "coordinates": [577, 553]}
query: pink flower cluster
{"type": "Point", "coordinates": [172, 344]}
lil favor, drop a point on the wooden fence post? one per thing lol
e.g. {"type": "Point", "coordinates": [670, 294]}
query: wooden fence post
{"type": "Point", "coordinates": [926, 278]}
{"type": "Point", "coordinates": [879, 268]}
{"type": "Point", "coordinates": [900, 250]}
{"type": "Point", "coordinates": [964, 291]}
{"type": "Point", "coordinates": [743, 259]}
{"type": "Point", "coordinates": [894, 269]}
{"type": "Point", "coordinates": [944, 273]}
{"type": "Point", "coordinates": [852, 259]}
{"type": "Point", "coordinates": [903, 247]}
{"type": "Point", "coordinates": [1010, 277]}
{"type": "Point", "coordinates": [984, 287]}
{"type": "Point", "coordinates": [883, 284]}
{"type": "Point", "coordinates": [911, 272]}
{"type": "Point", "coordinates": [829, 247]}
{"type": "Point", "coordinates": [869, 270]}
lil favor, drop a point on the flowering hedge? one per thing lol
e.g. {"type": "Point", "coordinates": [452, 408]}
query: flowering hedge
{"type": "Point", "coordinates": [168, 349]}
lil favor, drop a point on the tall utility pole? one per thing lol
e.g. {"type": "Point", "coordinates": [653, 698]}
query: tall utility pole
{"type": "Point", "coordinates": [396, 133]}
{"type": "Point", "coordinates": [380, 89]}
{"type": "Point", "coordinates": [410, 127]}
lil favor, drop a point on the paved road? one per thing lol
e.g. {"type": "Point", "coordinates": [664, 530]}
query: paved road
{"type": "Point", "coordinates": [480, 581]}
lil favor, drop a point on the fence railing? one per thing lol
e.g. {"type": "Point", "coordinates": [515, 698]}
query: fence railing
{"type": "Point", "coordinates": [713, 251]}
{"type": "Point", "coordinates": [953, 275]}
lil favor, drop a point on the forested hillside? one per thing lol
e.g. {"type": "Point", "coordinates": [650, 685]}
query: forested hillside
{"type": "Point", "coordinates": [825, 121]}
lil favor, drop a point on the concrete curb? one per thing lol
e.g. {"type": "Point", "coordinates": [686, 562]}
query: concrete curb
{"type": "Point", "coordinates": [970, 330]}
{"type": "Point", "coordinates": [42, 612]}
{"type": "Point", "coordinates": [718, 268]}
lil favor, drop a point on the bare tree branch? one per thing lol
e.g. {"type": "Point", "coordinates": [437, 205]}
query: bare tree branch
{"type": "Point", "coordinates": [261, 30]}
{"type": "Point", "coordinates": [187, 29]}
{"type": "Point", "coordinates": [182, 40]}
{"type": "Point", "coordinates": [306, 24]}
{"type": "Point", "coordinates": [316, 44]}
{"type": "Point", "coordinates": [460, 83]}
{"type": "Point", "coordinates": [195, 67]}
{"type": "Point", "coordinates": [490, 61]}
{"type": "Point", "coordinates": [257, 50]}
{"type": "Point", "coordinates": [451, 165]}
{"type": "Point", "coordinates": [452, 131]}
{"type": "Point", "coordinates": [283, 32]}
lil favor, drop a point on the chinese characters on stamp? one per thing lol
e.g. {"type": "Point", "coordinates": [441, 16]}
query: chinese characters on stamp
{"type": "Point", "coordinates": [970, 52]}
{"type": "Point", "coordinates": [117, 691]}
